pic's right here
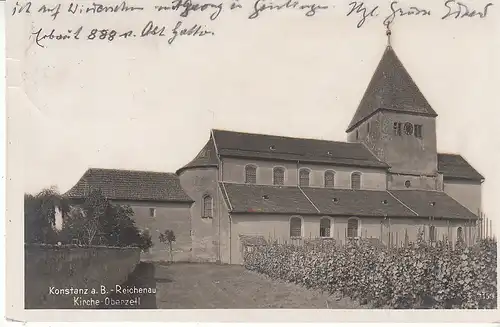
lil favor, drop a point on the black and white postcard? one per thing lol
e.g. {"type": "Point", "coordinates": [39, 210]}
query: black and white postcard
{"type": "Point", "coordinates": [329, 155]}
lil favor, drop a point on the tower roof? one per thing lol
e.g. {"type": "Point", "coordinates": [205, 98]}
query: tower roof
{"type": "Point", "coordinates": [206, 158]}
{"type": "Point", "coordinates": [391, 88]}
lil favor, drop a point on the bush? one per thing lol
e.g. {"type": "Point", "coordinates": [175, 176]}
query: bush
{"type": "Point", "coordinates": [145, 241]}
{"type": "Point", "coordinates": [416, 276]}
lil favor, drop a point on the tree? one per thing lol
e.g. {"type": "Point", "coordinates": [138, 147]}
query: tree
{"type": "Point", "coordinates": [85, 221]}
{"type": "Point", "coordinates": [168, 238]}
{"type": "Point", "coordinates": [40, 215]}
{"type": "Point", "coordinates": [113, 222]}
{"type": "Point", "coordinates": [145, 240]}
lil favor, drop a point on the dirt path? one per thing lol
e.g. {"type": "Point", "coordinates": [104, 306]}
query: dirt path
{"type": "Point", "coordinates": [211, 286]}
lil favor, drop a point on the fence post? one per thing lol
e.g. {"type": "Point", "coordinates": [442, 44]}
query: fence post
{"type": "Point", "coordinates": [381, 226]}
{"type": "Point", "coordinates": [491, 228]}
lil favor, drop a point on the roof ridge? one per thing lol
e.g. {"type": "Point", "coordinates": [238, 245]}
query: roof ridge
{"type": "Point", "coordinates": [450, 154]}
{"type": "Point", "coordinates": [286, 137]}
{"type": "Point", "coordinates": [131, 170]}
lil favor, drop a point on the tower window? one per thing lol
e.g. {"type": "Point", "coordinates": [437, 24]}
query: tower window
{"type": "Point", "coordinates": [408, 128]}
{"type": "Point", "coordinates": [356, 181]}
{"type": "Point", "coordinates": [278, 176]}
{"type": "Point", "coordinates": [324, 227]}
{"type": "Point", "coordinates": [352, 228]}
{"type": "Point", "coordinates": [329, 179]}
{"type": "Point", "coordinates": [357, 135]}
{"type": "Point", "coordinates": [407, 183]}
{"type": "Point", "coordinates": [304, 177]}
{"type": "Point", "coordinates": [206, 211]}
{"type": "Point", "coordinates": [295, 227]}
{"type": "Point", "coordinates": [368, 127]}
{"type": "Point", "coordinates": [397, 128]}
{"type": "Point", "coordinates": [418, 131]}
{"type": "Point", "coordinates": [250, 174]}
{"type": "Point", "coordinates": [152, 212]}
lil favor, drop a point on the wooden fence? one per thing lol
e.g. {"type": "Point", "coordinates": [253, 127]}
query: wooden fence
{"type": "Point", "coordinates": [471, 232]}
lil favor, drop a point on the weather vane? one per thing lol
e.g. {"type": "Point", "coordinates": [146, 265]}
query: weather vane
{"type": "Point", "coordinates": [388, 33]}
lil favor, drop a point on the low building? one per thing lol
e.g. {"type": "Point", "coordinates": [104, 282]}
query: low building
{"type": "Point", "coordinates": [157, 199]}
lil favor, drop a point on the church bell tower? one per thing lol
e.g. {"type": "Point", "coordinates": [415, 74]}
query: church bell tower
{"type": "Point", "coordinates": [395, 121]}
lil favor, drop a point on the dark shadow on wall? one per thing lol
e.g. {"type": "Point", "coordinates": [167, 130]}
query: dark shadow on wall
{"type": "Point", "coordinates": [142, 278]}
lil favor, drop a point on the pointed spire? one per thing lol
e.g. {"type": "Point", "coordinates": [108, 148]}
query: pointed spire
{"type": "Point", "coordinates": [391, 88]}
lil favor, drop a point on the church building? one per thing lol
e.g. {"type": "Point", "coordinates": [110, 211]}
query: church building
{"type": "Point", "coordinates": [386, 182]}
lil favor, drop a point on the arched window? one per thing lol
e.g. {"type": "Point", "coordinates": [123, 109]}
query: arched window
{"type": "Point", "coordinates": [432, 233]}
{"type": "Point", "coordinates": [250, 174]}
{"type": "Point", "coordinates": [295, 227]}
{"type": "Point", "coordinates": [279, 176]}
{"type": "Point", "coordinates": [304, 177]}
{"type": "Point", "coordinates": [325, 227]}
{"type": "Point", "coordinates": [329, 179]}
{"type": "Point", "coordinates": [352, 227]}
{"type": "Point", "coordinates": [207, 206]}
{"type": "Point", "coordinates": [355, 181]}
{"type": "Point", "coordinates": [460, 234]}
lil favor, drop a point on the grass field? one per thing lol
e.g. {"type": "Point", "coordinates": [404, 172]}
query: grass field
{"type": "Point", "coordinates": [210, 286]}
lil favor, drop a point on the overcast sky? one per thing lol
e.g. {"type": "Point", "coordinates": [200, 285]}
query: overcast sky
{"type": "Point", "coordinates": [144, 104]}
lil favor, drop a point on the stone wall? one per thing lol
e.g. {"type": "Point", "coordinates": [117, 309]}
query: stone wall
{"type": "Point", "coordinates": [156, 217]}
{"type": "Point", "coordinates": [468, 193]}
{"type": "Point", "coordinates": [197, 183]}
{"type": "Point", "coordinates": [52, 269]}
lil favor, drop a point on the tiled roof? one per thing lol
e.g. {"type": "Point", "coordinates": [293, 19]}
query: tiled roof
{"type": "Point", "coordinates": [267, 199]}
{"type": "Point", "coordinates": [433, 204]}
{"type": "Point", "coordinates": [249, 198]}
{"type": "Point", "coordinates": [130, 185]}
{"type": "Point", "coordinates": [207, 157]}
{"type": "Point", "coordinates": [356, 202]}
{"type": "Point", "coordinates": [455, 166]}
{"type": "Point", "coordinates": [272, 147]}
{"type": "Point", "coordinates": [391, 88]}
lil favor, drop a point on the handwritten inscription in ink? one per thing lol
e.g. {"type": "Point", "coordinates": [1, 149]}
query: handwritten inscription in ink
{"type": "Point", "coordinates": [398, 11]}
{"type": "Point", "coordinates": [359, 8]}
{"type": "Point", "coordinates": [458, 10]}
{"type": "Point", "coordinates": [260, 6]}
{"type": "Point", "coordinates": [187, 6]}
{"type": "Point", "coordinates": [207, 11]}
{"type": "Point", "coordinates": [41, 36]}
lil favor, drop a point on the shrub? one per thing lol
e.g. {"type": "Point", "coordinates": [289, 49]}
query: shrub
{"type": "Point", "coordinates": [415, 276]}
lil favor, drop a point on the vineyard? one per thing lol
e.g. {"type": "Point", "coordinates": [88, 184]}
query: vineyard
{"type": "Point", "coordinates": [418, 275]}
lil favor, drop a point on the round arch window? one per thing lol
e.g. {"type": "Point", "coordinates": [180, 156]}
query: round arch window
{"type": "Point", "coordinates": [407, 183]}
{"type": "Point", "coordinates": [408, 128]}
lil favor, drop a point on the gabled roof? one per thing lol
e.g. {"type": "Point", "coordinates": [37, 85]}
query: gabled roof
{"type": "Point", "coordinates": [454, 166]}
{"type": "Point", "coordinates": [433, 204]}
{"type": "Point", "coordinates": [130, 185]}
{"type": "Point", "coordinates": [273, 147]}
{"type": "Point", "coordinates": [206, 158]}
{"type": "Point", "coordinates": [250, 198]}
{"type": "Point", "coordinates": [244, 198]}
{"type": "Point", "coordinates": [391, 88]}
{"type": "Point", "coordinates": [356, 202]}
